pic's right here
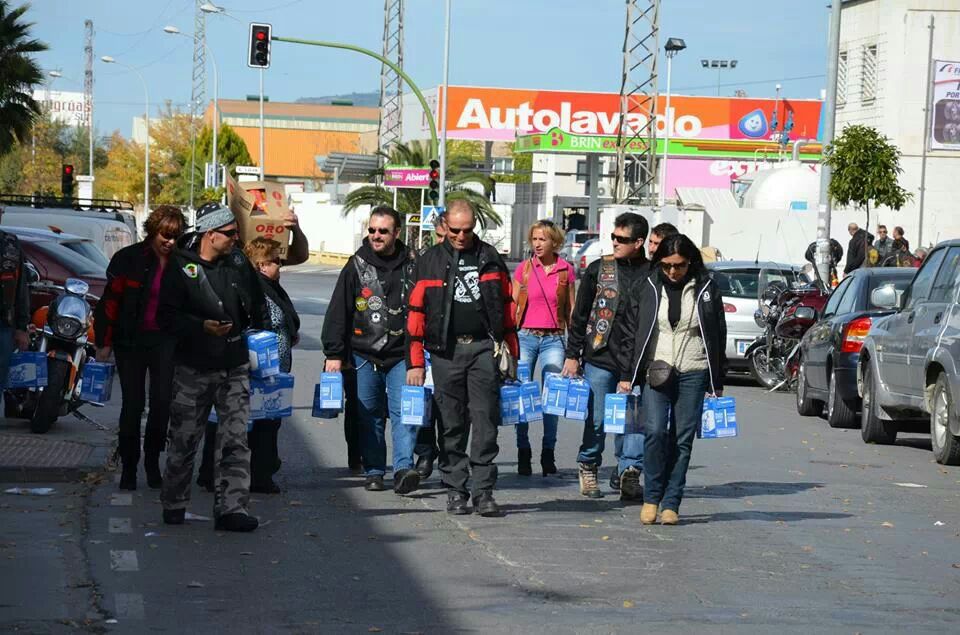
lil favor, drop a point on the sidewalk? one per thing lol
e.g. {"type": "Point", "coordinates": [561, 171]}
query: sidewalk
{"type": "Point", "coordinates": [72, 449]}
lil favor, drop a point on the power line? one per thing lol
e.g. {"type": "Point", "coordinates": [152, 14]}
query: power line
{"type": "Point", "coordinates": [752, 83]}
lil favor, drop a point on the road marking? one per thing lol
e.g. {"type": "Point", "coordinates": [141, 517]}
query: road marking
{"type": "Point", "coordinates": [120, 526]}
{"type": "Point", "coordinates": [124, 560]}
{"type": "Point", "coordinates": [121, 500]}
{"type": "Point", "coordinates": [128, 606]}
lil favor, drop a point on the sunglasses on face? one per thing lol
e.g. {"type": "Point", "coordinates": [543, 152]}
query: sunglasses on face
{"type": "Point", "coordinates": [173, 236]}
{"type": "Point", "coordinates": [623, 240]}
{"type": "Point", "coordinates": [670, 266]}
{"type": "Point", "coordinates": [229, 233]}
{"type": "Point", "coordinates": [379, 230]}
{"type": "Point", "coordinates": [456, 230]}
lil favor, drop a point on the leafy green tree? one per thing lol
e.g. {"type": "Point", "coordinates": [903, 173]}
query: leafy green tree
{"type": "Point", "coordinates": [866, 166]}
{"type": "Point", "coordinates": [460, 181]}
{"type": "Point", "coordinates": [231, 149]}
{"type": "Point", "coordinates": [19, 75]}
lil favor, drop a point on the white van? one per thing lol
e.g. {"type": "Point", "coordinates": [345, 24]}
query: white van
{"type": "Point", "coordinates": [109, 227]}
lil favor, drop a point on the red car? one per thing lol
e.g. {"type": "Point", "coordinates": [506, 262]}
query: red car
{"type": "Point", "coordinates": [55, 263]}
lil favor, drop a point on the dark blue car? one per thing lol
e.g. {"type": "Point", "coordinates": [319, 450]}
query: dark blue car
{"type": "Point", "coordinates": [830, 350]}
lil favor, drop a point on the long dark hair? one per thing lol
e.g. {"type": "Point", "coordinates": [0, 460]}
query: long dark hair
{"type": "Point", "coordinates": [680, 245]}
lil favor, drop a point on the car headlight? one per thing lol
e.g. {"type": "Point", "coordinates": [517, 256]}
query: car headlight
{"type": "Point", "coordinates": [66, 327]}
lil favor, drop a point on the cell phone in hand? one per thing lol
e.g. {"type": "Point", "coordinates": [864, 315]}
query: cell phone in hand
{"type": "Point", "coordinates": [225, 322]}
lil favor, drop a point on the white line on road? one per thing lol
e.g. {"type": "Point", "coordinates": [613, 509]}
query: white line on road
{"type": "Point", "coordinates": [121, 500]}
{"type": "Point", "coordinates": [120, 526]}
{"type": "Point", "coordinates": [128, 606]}
{"type": "Point", "coordinates": [124, 560]}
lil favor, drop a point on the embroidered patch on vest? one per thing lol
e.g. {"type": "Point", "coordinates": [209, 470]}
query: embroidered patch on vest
{"type": "Point", "coordinates": [361, 304]}
{"type": "Point", "coordinates": [191, 270]}
{"type": "Point", "coordinates": [375, 303]}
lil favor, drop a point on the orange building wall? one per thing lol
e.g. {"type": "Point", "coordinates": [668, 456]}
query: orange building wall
{"type": "Point", "coordinates": [291, 153]}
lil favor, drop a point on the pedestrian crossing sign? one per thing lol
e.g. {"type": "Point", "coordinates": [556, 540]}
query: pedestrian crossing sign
{"type": "Point", "coordinates": [429, 214]}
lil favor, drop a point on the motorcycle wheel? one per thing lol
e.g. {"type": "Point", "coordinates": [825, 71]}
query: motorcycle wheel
{"type": "Point", "coordinates": [48, 404]}
{"type": "Point", "coordinates": [764, 377]}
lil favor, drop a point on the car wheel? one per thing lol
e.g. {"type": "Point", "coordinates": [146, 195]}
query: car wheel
{"type": "Point", "coordinates": [946, 446]}
{"type": "Point", "coordinates": [806, 405]}
{"type": "Point", "coordinates": [840, 413]}
{"type": "Point", "coordinates": [873, 429]}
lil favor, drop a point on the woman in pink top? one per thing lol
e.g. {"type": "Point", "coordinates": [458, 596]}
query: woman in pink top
{"type": "Point", "coordinates": [544, 293]}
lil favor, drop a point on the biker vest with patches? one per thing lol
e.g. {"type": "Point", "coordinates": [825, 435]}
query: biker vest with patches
{"type": "Point", "coordinates": [9, 274]}
{"type": "Point", "coordinates": [600, 322]}
{"type": "Point", "coordinates": [374, 321]}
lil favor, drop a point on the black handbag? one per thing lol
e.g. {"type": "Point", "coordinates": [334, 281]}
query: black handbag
{"type": "Point", "coordinates": [662, 375]}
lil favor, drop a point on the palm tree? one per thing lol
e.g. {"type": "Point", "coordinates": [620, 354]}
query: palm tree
{"type": "Point", "coordinates": [408, 200]}
{"type": "Point", "coordinates": [19, 75]}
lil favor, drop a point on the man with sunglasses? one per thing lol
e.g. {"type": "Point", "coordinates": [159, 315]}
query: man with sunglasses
{"type": "Point", "coordinates": [125, 324]}
{"type": "Point", "coordinates": [460, 309]}
{"type": "Point", "coordinates": [591, 344]}
{"type": "Point", "coordinates": [364, 330]}
{"type": "Point", "coordinates": [209, 297]}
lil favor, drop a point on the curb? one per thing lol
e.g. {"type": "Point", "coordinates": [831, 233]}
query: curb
{"type": "Point", "coordinates": [95, 462]}
{"type": "Point", "coordinates": [323, 258]}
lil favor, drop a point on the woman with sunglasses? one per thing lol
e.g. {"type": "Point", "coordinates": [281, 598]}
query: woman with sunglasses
{"type": "Point", "coordinates": [675, 322]}
{"type": "Point", "coordinates": [125, 324]}
{"type": "Point", "coordinates": [544, 294]}
{"type": "Point", "coordinates": [264, 254]}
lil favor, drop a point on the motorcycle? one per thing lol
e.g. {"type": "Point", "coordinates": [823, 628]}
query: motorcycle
{"type": "Point", "coordinates": [786, 310]}
{"type": "Point", "coordinates": [64, 331]}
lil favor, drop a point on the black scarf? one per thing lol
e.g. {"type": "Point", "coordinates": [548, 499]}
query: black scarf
{"type": "Point", "coordinates": [273, 290]}
{"type": "Point", "coordinates": [674, 297]}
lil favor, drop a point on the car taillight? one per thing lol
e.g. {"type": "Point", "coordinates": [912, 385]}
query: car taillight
{"type": "Point", "coordinates": [729, 308]}
{"type": "Point", "coordinates": [854, 334]}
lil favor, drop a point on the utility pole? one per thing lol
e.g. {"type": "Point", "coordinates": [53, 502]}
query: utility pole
{"type": "Point", "coordinates": [263, 170]}
{"type": "Point", "coordinates": [389, 128]}
{"type": "Point", "coordinates": [829, 121]}
{"type": "Point", "coordinates": [88, 95]}
{"type": "Point", "coordinates": [443, 110]}
{"type": "Point", "coordinates": [198, 86]}
{"type": "Point", "coordinates": [927, 108]}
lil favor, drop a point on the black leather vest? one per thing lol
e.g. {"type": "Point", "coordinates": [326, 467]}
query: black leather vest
{"type": "Point", "coordinates": [374, 320]}
{"type": "Point", "coordinates": [9, 274]}
{"type": "Point", "coordinates": [600, 323]}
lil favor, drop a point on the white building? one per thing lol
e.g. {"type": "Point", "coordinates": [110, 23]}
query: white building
{"type": "Point", "coordinates": [882, 82]}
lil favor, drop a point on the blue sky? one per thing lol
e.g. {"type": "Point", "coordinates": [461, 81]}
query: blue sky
{"type": "Point", "coordinates": [549, 44]}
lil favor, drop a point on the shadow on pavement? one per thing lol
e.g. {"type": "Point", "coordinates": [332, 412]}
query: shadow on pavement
{"type": "Point", "coordinates": [917, 443]}
{"type": "Point", "coordinates": [785, 517]}
{"type": "Point", "coordinates": [743, 489]}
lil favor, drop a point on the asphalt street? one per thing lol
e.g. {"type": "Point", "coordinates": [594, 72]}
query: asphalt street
{"type": "Point", "coordinates": [791, 526]}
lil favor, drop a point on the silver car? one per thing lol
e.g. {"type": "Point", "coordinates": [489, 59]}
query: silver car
{"type": "Point", "coordinates": [908, 370]}
{"type": "Point", "coordinates": [740, 282]}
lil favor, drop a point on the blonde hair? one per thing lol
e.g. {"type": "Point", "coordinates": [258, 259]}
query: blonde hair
{"type": "Point", "coordinates": [550, 229]}
{"type": "Point", "coordinates": [260, 249]}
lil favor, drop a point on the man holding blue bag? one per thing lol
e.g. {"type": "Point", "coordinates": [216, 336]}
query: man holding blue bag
{"type": "Point", "coordinates": [364, 327]}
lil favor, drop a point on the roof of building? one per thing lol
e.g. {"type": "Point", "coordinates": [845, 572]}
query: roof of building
{"type": "Point", "coordinates": [276, 109]}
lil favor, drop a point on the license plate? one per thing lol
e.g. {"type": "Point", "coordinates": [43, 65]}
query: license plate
{"type": "Point", "coordinates": [742, 346]}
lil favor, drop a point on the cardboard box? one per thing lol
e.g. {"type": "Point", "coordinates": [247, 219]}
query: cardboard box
{"type": "Point", "coordinates": [719, 418]}
{"type": "Point", "coordinates": [555, 388]}
{"type": "Point", "coordinates": [578, 399]}
{"type": "Point", "coordinates": [416, 406]}
{"type": "Point", "coordinates": [264, 350]}
{"type": "Point", "coordinates": [96, 383]}
{"type": "Point", "coordinates": [523, 372]}
{"type": "Point", "coordinates": [531, 410]}
{"type": "Point", "coordinates": [328, 396]}
{"type": "Point", "coordinates": [259, 207]}
{"type": "Point", "coordinates": [509, 405]}
{"type": "Point", "coordinates": [274, 396]}
{"type": "Point", "coordinates": [28, 369]}
{"type": "Point", "coordinates": [615, 413]}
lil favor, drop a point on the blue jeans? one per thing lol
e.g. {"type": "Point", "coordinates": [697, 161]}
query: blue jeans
{"type": "Point", "coordinates": [602, 382]}
{"type": "Point", "coordinates": [668, 447]}
{"type": "Point", "coordinates": [378, 390]}
{"type": "Point", "coordinates": [6, 351]}
{"type": "Point", "coordinates": [549, 350]}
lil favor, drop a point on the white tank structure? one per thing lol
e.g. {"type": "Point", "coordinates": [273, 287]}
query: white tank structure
{"type": "Point", "coordinates": [792, 185]}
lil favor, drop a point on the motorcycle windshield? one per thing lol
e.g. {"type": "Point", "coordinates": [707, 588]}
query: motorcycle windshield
{"type": "Point", "coordinates": [772, 280]}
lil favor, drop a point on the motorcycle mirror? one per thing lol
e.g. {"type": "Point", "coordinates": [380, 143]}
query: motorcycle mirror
{"type": "Point", "coordinates": [33, 276]}
{"type": "Point", "coordinates": [76, 287]}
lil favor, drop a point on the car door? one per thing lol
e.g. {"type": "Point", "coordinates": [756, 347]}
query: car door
{"type": "Point", "coordinates": [817, 339]}
{"type": "Point", "coordinates": [931, 317]}
{"type": "Point", "coordinates": [893, 346]}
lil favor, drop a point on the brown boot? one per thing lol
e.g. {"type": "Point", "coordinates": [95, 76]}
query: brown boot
{"type": "Point", "coordinates": [669, 517]}
{"type": "Point", "coordinates": [588, 481]}
{"type": "Point", "coordinates": [648, 513]}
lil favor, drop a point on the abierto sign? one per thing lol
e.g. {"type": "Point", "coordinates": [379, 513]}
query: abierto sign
{"type": "Point", "coordinates": [945, 123]}
{"type": "Point", "coordinates": [405, 176]}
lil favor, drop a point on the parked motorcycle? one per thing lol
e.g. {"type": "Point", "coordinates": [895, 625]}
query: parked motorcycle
{"type": "Point", "coordinates": [64, 331]}
{"type": "Point", "coordinates": [786, 310]}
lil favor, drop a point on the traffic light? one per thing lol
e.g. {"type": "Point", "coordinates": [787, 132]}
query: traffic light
{"type": "Point", "coordinates": [434, 193]}
{"type": "Point", "coordinates": [66, 180]}
{"type": "Point", "coordinates": [259, 56]}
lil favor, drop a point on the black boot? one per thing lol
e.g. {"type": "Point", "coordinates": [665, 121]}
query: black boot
{"type": "Point", "coordinates": [151, 465]}
{"type": "Point", "coordinates": [548, 462]}
{"type": "Point", "coordinates": [128, 477]}
{"type": "Point", "coordinates": [129, 450]}
{"type": "Point", "coordinates": [524, 456]}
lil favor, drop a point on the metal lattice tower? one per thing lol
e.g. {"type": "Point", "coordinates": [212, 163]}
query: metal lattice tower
{"type": "Point", "coordinates": [198, 93]}
{"type": "Point", "coordinates": [391, 93]}
{"type": "Point", "coordinates": [636, 144]}
{"type": "Point", "coordinates": [88, 89]}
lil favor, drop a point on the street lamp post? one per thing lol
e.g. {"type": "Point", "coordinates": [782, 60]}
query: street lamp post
{"type": "Point", "coordinates": [172, 30]}
{"type": "Point", "coordinates": [719, 65]}
{"type": "Point", "coordinates": [146, 120]}
{"type": "Point", "coordinates": [673, 46]}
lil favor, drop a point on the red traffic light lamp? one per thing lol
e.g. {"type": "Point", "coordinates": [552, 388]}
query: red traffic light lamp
{"type": "Point", "coordinates": [434, 192]}
{"type": "Point", "coordinates": [259, 54]}
{"type": "Point", "coordinates": [66, 180]}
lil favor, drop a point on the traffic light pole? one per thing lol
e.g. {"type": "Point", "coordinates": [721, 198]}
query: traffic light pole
{"type": "Point", "coordinates": [357, 49]}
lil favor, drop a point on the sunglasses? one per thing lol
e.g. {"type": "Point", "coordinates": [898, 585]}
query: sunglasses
{"type": "Point", "coordinates": [670, 266]}
{"type": "Point", "coordinates": [456, 230]}
{"type": "Point", "coordinates": [381, 230]}
{"type": "Point", "coordinates": [166, 236]}
{"type": "Point", "coordinates": [229, 233]}
{"type": "Point", "coordinates": [623, 240]}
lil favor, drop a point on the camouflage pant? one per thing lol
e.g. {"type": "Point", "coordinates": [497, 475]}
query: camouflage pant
{"type": "Point", "coordinates": [194, 392]}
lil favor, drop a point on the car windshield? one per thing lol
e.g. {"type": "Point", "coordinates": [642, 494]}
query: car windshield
{"type": "Point", "coordinates": [88, 250]}
{"type": "Point", "coordinates": [744, 283]}
{"type": "Point", "coordinates": [583, 248]}
{"type": "Point", "coordinates": [77, 264]}
{"type": "Point", "coordinates": [900, 283]}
